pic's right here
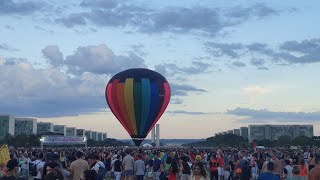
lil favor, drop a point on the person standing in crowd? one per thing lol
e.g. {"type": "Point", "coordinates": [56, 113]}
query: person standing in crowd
{"type": "Point", "coordinates": [139, 168]}
{"type": "Point", "coordinates": [78, 167]}
{"type": "Point", "coordinates": [173, 170]}
{"type": "Point", "coordinates": [99, 167]}
{"type": "Point", "coordinates": [12, 170]}
{"type": "Point", "coordinates": [268, 174]}
{"type": "Point", "coordinates": [157, 166]}
{"type": "Point", "coordinates": [314, 174]}
{"type": "Point", "coordinates": [287, 170]}
{"type": "Point", "coordinates": [295, 174]}
{"type": "Point", "coordinates": [117, 167]}
{"type": "Point", "coordinates": [303, 168]}
{"type": "Point", "coordinates": [25, 166]}
{"type": "Point", "coordinates": [128, 165]}
{"type": "Point", "coordinates": [199, 172]}
{"type": "Point", "coordinates": [39, 166]}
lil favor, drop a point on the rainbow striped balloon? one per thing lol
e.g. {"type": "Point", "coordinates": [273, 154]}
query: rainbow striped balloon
{"type": "Point", "coordinates": [138, 98]}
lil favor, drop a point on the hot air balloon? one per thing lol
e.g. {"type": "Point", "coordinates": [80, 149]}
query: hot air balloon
{"type": "Point", "coordinates": [138, 98]}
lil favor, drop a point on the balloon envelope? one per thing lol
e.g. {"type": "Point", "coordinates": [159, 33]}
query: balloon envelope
{"type": "Point", "coordinates": [138, 98]}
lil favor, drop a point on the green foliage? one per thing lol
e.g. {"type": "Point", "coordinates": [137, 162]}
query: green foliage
{"type": "Point", "coordinates": [228, 140]}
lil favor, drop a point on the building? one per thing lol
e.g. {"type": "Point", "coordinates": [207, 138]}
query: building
{"type": "Point", "coordinates": [105, 136]}
{"type": "Point", "coordinates": [153, 135]}
{"type": "Point", "coordinates": [273, 132]}
{"type": "Point", "coordinates": [244, 132]}
{"type": "Point", "coordinates": [44, 127]}
{"type": "Point", "coordinates": [88, 134]}
{"type": "Point", "coordinates": [94, 135]}
{"type": "Point", "coordinates": [81, 132]}
{"type": "Point", "coordinates": [25, 126]}
{"type": "Point", "coordinates": [59, 129]}
{"type": "Point", "coordinates": [230, 131]}
{"type": "Point", "coordinates": [71, 131]}
{"type": "Point", "coordinates": [7, 123]}
{"type": "Point", "coordinates": [236, 132]}
{"type": "Point", "coordinates": [157, 135]}
{"type": "Point", "coordinates": [99, 136]}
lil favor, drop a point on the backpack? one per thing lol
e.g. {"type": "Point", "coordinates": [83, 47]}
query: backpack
{"type": "Point", "coordinates": [101, 172]}
{"type": "Point", "coordinates": [33, 171]}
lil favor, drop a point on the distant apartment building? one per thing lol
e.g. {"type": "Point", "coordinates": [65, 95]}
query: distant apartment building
{"type": "Point", "coordinates": [25, 126]}
{"type": "Point", "coordinates": [71, 131]}
{"type": "Point", "coordinates": [59, 129]}
{"type": "Point", "coordinates": [99, 136]}
{"type": "Point", "coordinates": [230, 131]}
{"type": "Point", "coordinates": [88, 134]}
{"type": "Point", "coordinates": [273, 132]}
{"type": "Point", "coordinates": [104, 136]}
{"type": "Point", "coordinates": [225, 132]}
{"type": "Point", "coordinates": [81, 132]}
{"type": "Point", "coordinates": [7, 124]}
{"type": "Point", "coordinates": [94, 135]}
{"type": "Point", "coordinates": [244, 132]}
{"type": "Point", "coordinates": [236, 132]}
{"type": "Point", "coordinates": [44, 127]}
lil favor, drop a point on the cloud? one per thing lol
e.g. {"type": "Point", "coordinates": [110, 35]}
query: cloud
{"type": "Point", "coordinates": [100, 59]}
{"type": "Point", "coordinates": [264, 115]}
{"type": "Point", "coordinates": [139, 49]}
{"type": "Point", "coordinates": [54, 55]}
{"type": "Point", "coordinates": [256, 90]}
{"type": "Point", "coordinates": [7, 47]}
{"type": "Point", "coordinates": [9, 7]}
{"type": "Point", "coordinates": [186, 112]}
{"type": "Point", "coordinates": [48, 92]}
{"type": "Point", "coordinates": [170, 19]}
{"type": "Point", "coordinates": [288, 52]}
{"type": "Point", "coordinates": [183, 89]}
{"type": "Point", "coordinates": [238, 64]}
{"type": "Point", "coordinates": [176, 101]}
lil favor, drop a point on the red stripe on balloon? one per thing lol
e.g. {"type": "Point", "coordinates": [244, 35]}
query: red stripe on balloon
{"type": "Point", "coordinates": [123, 107]}
{"type": "Point", "coordinates": [117, 107]}
{"type": "Point", "coordinates": [165, 103]}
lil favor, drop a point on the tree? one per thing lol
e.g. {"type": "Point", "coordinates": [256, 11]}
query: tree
{"type": "Point", "coordinates": [284, 140]}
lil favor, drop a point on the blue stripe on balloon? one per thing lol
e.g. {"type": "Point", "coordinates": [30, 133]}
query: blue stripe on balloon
{"type": "Point", "coordinates": [153, 106]}
{"type": "Point", "coordinates": [146, 100]}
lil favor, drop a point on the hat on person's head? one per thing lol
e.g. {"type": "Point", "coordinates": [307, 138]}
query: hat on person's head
{"type": "Point", "coordinates": [239, 171]}
{"type": "Point", "coordinates": [198, 157]}
{"type": "Point", "coordinates": [12, 164]}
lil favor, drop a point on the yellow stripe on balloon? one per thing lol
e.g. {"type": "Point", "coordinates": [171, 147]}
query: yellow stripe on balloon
{"type": "Point", "coordinates": [128, 95]}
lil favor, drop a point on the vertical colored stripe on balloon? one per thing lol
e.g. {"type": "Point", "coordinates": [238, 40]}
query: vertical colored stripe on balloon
{"type": "Point", "coordinates": [113, 103]}
{"type": "Point", "coordinates": [137, 99]}
{"type": "Point", "coordinates": [153, 106]}
{"type": "Point", "coordinates": [165, 103]}
{"type": "Point", "coordinates": [128, 96]}
{"type": "Point", "coordinates": [123, 108]}
{"type": "Point", "coordinates": [146, 99]}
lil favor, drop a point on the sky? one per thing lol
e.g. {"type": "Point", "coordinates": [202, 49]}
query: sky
{"type": "Point", "coordinates": [229, 63]}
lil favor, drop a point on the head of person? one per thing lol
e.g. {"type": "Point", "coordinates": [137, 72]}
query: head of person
{"type": "Point", "coordinates": [198, 158]}
{"type": "Point", "coordinates": [54, 174]}
{"type": "Point", "coordinates": [287, 161]}
{"type": "Point", "coordinates": [317, 158]}
{"type": "Point", "coordinates": [186, 168]}
{"type": "Point", "coordinates": [199, 169]}
{"type": "Point", "coordinates": [90, 175]}
{"type": "Point", "coordinates": [295, 170]}
{"type": "Point", "coordinates": [128, 151]}
{"type": "Point", "coordinates": [139, 156]}
{"type": "Point", "coordinates": [270, 166]}
{"type": "Point", "coordinates": [238, 171]}
{"type": "Point", "coordinates": [49, 157]}
{"type": "Point", "coordinates": [96, 158]}
{"type": "Point", "coordinates": [79, 154]}
{"type": "Point", "coordinates": [13, 166]}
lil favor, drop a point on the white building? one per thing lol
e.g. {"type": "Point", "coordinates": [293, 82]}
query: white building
{"type": "Point", "coordinates": [99, 136]}
{"type": "Point", "coordinates": [7, 124]}
{"type": "Point", "coordinates": [88, 134]}
{"type": "Point", "coordinates": [94, 135]}
{"type": "Point", "coordinates": [105, 136]}
{"type": "Point", "coordinates": [236, 132]}
{"type": "Point", "coordinates": [81, 132]}
{"type": "Point", "coordinates": [25, 126]}
{"type": "Point", "coordinates": [44, 127]}
{"type": "Point", "coordinates": [157, 135]}
{"type": "Point", "coordinates": [244, 132]}
{"type": "Point", "coordinates": [59, 129]}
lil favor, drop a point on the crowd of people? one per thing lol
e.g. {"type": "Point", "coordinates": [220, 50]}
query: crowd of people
{"type": "Point", "coordinates": [162, 164]}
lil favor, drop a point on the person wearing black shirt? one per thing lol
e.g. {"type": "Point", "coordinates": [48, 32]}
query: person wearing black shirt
{"type": "Point", "coordinates": [117, 168]}
{"type": "Point", "coordinates": [13, 168]}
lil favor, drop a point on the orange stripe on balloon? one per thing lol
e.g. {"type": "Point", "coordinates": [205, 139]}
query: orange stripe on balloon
{"type": "Point", "coordinates": [165, 103]}
{"type": "Point", "coordinates": [128, 96]}
{"type": "Point", "coordinates": [113, 104]}
{"type": "Point", "coordinates": [123, 107]}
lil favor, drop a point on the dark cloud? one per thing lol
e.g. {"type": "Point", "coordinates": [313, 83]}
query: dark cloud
{"type": "Point", "coordinates": [9, 7]}
{"type": "Point", "coordinates": [101, 60]}
{"type": "Point", "coordinates": [238, 64]}
{"type": "Point", "coordinates": [54, 55]}
{"type": "Point", "coordinates": [7, 47]}
{"type": "Point", "coordinates": [170, 19]}
{"type": "Point", "coordinates": [186, 112]}
{"type": "Point", "coordinates": [265, 115]}
{"type": "Point", "coordinates": [289, 52]}
{"type": "Point", "coordinates": [184, 89]}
